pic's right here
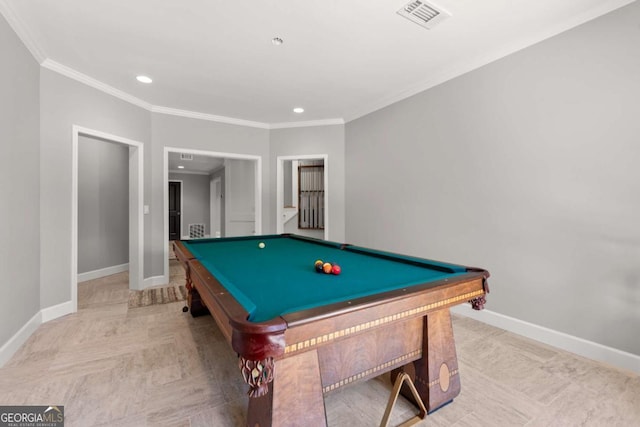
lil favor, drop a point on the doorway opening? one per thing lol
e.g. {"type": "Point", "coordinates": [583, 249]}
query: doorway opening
{"type": "Point", "coordinates": [175, 209]}
{"type": "Point", "coordinates": [217, 207]}
{"type": "Point", "coordinates": [220, 195]}
{"type": "Point", "coordinates": [135, 206]}
{"type": "Point", "coordinates": [306, 194]}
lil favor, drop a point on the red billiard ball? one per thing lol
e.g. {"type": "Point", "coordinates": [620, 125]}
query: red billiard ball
{"type": "Point", "coordinates": [326, 267]}
{"type": "Point", "coordinates": [336, 269]}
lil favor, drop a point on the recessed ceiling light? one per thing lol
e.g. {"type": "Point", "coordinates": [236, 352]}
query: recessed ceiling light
{"type": "Point", "coordinates": [277, 41]}
{"type": "Point", "coordinates": [180, 167]}
{"type": "Point", "coordinates": [298, 110]}
{"type": "Point", "coordinates": [144, 79]}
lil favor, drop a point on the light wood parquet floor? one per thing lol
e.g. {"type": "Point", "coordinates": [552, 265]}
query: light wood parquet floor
{"type": "Point", "coordinates": [157, 366]}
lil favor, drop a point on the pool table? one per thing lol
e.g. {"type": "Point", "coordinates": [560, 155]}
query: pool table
{"type": "Point", "coordinates": [300, 334]}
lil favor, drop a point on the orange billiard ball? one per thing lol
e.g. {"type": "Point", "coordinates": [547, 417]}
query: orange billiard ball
{"type": "Point", "coordinates": [326, 267]}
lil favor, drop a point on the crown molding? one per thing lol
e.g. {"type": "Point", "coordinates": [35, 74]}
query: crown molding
{"type": "Point", "coordinates": [444, 75]}
{"type": "Point", "coordinates": [210, 117]}
{"type": "Point", "coordinates": [21, 30]}
{"type": "Point", "coordinates": [310, 123]}
{"type": "Point", "coordinates": [477, 62]}
{"type": "Point", "coordinates": [29, 41]}
{"type": "Point", "coordinates": [242, 122]}
{"type": "Point", "coordinates": [96, 84]}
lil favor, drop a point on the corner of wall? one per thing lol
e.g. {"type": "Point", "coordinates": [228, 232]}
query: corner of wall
{"type": "Point", "coordinates": [14, 343]}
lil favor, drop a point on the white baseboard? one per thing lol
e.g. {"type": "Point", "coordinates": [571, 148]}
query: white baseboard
{"type": "Point", "coordinates": [206, 236]}
{"type": "Point", "coordinates": [580, 346]}
{"type": "Point", "coordinates": [9, 348]}
{"type": "Point", "coordinates": [103, 272]}
{"type": "Point", "coordinates": [56, 311]}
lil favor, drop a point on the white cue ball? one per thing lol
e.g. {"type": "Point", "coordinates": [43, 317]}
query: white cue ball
{"type": "Point", "coordinates": [261, 245]}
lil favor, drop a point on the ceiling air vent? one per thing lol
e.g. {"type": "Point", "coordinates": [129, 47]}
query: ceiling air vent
{"type": "Point", "coordinates": [184, 156]}
{"type": "Point", "coordinates": [427, 15]}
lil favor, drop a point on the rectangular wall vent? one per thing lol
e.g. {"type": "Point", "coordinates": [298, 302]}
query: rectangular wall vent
{"type": "Point", "coordinates": [196, 231]}
{"type": "Point", "coordinates": [427, 15]}
{"type": "Point", "coordinates": [184, 156]}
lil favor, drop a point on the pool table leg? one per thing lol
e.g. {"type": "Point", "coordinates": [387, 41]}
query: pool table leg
{"type": "Point", "coordinates": [194, 301]}
{"type": "Point", "coordinates": [295, 396]}
{"type": "Point", "coordinates": [435, 375]}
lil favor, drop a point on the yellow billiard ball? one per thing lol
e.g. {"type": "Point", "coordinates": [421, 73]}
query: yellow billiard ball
{"type": "Point", "coordinates": [261, 245]}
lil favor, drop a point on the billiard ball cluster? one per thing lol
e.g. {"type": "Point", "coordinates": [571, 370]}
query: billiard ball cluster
{"type": "Point", "coordinates": [327, 267]}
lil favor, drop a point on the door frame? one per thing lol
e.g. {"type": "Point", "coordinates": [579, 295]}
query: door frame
{"type": "Point", "coordinates": [280, 190]}
{"type": "Point", "coordinates": [180, 235]}
{"type": "Point", "coordinates": [215, 203]}
{"type": "Point", "coordinates": [165, 193]}
{"type": "Point", "coordinates": [136, 198]}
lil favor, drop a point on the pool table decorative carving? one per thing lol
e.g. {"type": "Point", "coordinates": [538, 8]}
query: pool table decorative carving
{"type": "Point", "coordinates": [479, 302]}
{"type": "Point", "coordinates": [299, 334]}
{"type": "Point", "coordinates": [257, 374]}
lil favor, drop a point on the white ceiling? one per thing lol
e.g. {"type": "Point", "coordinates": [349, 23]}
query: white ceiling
{"type": "Point", "coordinates": [340, 59]}
{"type": "Point", "coordinates": [199, 165]}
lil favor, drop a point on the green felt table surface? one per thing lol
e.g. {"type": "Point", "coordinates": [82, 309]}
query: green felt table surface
{"type": "Point", "coordinates": [281, 278]}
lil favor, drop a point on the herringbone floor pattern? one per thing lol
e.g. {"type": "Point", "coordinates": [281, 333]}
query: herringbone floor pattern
{"type": "Point", "coordinates": [157, 366]}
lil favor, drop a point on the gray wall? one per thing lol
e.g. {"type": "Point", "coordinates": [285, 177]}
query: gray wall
{"type": "Point", "coordinates": [527, 167]}
{"type": "Point", "coordinates": [63, 103]}
{"type": "Point", "coordinates": [292, 227]}
{"type": "Point", "coordinates": [103, 204]}
{"type": "Point", "coordinates": [19, 184]}
{"type": "Point", "coordinates": [195, 200]}
{"type": "Point", "coordinates": [181, 132]}
{"type": "Point", "coordinates": [239, 191]}
{"type": "Point", "coordinates": [328, 140]}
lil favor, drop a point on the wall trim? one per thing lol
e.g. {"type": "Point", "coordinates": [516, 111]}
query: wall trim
{"type": "Point", "coordinates": [58, 310]}
{"type": "Point", "coordinates": [209, 117]}
{"type": "Point", "coordinates": [580, 346]}
{"type": "Point", "coordinates": [96, 84]}
{"type": "Point", "coordinates": [29, 41]}
{"type": "Point", "coordinates": [310, 123]}
{"type": "Point", "coordinates": [110, 90]}
{"type": "Point", "coordinates": [485, 58]}
{"type": "Point", "coordinates": [447, 74]}
{"type": "Point", "coordinates": [21, 31]}
{"type": "Point", "coordinates": [136, 202]}
{"type": "Point", "coordinates": [102, 272]}
{"type": "Point", "coordinates": [14, 343]}
{"type": "Point", "coordinates": [10, 348]}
